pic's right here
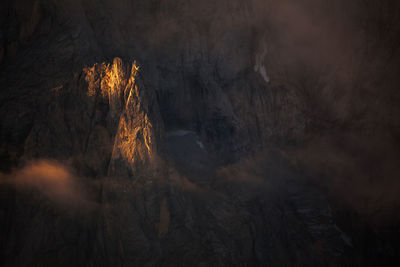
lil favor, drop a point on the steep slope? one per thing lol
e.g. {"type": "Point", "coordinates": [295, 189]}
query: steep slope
{"type": "Point", "coordinates": [203, 72]}
{"type": "Point", "coordinates": [135, 208]}
{"type": "Point", "coordinates": [148, 144]}
{"type": "Point", "coordinates": [104, 119]}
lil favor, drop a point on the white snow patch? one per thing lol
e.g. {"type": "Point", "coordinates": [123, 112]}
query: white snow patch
{"type": "Point", "coordinates": [200, 144]}
{"type": "Point", "coordinates": [263, 73]}
{"type": "Point", "coordinates": [179, 133]}
{"type": "Point", "coordinates": [344, 237]}
{"type": "Point", "coordinates": [259, 66]}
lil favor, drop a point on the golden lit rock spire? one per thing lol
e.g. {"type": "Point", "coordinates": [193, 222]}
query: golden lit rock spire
{"type": "Point", "coordinates": [134, 140]}
{"type": "Point", "coordinates": [128, 107]}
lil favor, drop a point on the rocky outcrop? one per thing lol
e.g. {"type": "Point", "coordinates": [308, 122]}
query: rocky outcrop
{"type": "Point", "coordinates": [101, 121]}
{"type": "Point", "coordinates": [139, 130]}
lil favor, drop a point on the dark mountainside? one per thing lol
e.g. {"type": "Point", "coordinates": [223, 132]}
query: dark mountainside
{"type": "Point", "coordinates": [199, 133]}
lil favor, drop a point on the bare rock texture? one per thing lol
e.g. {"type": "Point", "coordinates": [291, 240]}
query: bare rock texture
{"type": "Point", "coordinates": [105, 120]}
{"type": "Point", "coordinates": [151, 108]}
{"type": "Point", "coordinates": [202, 72]}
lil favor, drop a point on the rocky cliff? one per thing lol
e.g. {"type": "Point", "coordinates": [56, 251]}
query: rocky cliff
{"type": "Point", "coordinates": [205, 133]}
{"type": "Point", "coordinates": [203, 72]}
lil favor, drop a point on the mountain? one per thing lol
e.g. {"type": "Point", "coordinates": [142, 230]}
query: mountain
{"type": "Point", "coordinates": [205, 133]}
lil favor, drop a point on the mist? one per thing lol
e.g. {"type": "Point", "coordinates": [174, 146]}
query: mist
{"type": "Point", "coordinates": [340, 58]}
{"type": "Point", "coordinates": [53, 180]}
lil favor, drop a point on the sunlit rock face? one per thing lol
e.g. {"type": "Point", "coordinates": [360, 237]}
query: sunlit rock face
{"type": "Point", "coordinates": [103, 120]}
{"type": "Point", "coordinates": [136, 137]}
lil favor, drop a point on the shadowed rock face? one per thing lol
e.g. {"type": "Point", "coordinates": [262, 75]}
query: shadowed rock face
{"type": "Point", "coordinates": [151, 108]}
{"type": "Point", "coordinates": [200, 63]}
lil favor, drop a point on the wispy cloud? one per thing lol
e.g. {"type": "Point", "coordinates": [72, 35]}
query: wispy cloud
{"type": "Point", "coordinates": [53, 180]}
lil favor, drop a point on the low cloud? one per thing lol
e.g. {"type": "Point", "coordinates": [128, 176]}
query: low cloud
{"type": "Point", "coordinates": [53, 180]}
